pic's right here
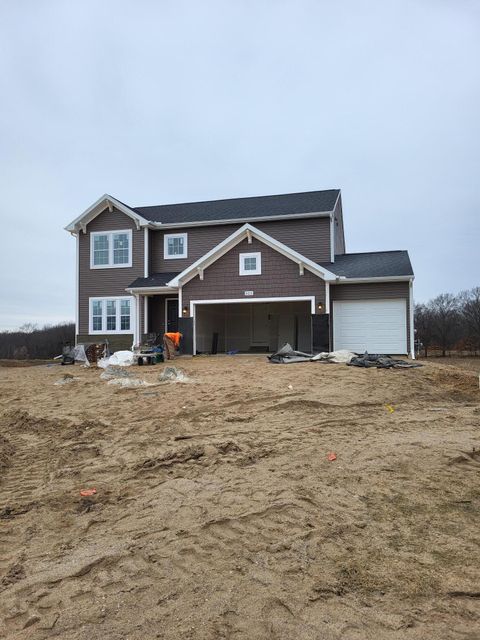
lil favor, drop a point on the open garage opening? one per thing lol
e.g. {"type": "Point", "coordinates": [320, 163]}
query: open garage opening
{"type": "Point", "coordinates": [253, 327]}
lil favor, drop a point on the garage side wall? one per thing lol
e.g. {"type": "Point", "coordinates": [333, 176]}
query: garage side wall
{"type": "Point", "coordinates": [279, 278]}
{"type": "Point", "coordinates": [371, 291]}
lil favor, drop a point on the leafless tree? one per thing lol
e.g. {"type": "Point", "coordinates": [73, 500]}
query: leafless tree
{"type": "Point", "coordinates": [470, 310]}
{"type": "Point", "coordinates": [424, 325]}
{"type": "Point", "coordinates": [445, 320]}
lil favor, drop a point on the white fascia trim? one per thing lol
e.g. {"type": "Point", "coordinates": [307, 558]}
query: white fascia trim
{"type": "Point", "coordinates": [97, 207]}
{"type": "Point", "coordinates": [310, 299]}
{"type": "Point", "coordinates": [150, 290]}
{"type": "Point", "coordinates": [344, 280]}
{"type": "Point", "coordinates": [110, 264]}
{"type": "Point", "coordinates": [208, 223]}
{"type": "Point", "coordinates": [235, 238]}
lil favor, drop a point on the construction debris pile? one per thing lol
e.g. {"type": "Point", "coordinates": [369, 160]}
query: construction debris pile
{"type": "Point", "coordinates": [287, 355]}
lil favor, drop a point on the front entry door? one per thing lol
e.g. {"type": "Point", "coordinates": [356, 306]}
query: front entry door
{"type": "Point", "coordinates": [171, 314]}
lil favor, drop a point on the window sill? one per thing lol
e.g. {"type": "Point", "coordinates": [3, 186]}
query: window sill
{"type": "Point", "coordinates": [110, 333]}
{"type": "Point", "coordinates": [110, 266]}
{"type": "Point", "coordinates": [175, 257]}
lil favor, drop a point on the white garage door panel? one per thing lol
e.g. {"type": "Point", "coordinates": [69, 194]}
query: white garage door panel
{"type": "Point", "coordinates": [376, 326]}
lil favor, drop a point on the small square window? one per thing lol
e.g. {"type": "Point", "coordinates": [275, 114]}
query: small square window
{"type": "Point", "coordinates": [250, 264]}
{"type": "Point", "coordinates": [175, 246]}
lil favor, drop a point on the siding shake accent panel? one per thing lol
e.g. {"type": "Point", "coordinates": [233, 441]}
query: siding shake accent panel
{"type": "Point", "coordinates": [280, 277]}
{"type": "Point", "coordinates": [310, 237]}
{"type": "Point", "coordinates": [106, 282]}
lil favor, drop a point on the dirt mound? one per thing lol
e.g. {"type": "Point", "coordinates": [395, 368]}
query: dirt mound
{"type": "Point", "coordinates": [217, 513]}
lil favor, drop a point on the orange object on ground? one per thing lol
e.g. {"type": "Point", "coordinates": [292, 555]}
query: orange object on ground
{"type": "Point", "coordinates": [175, 337]}
{"type": "Point", "coordinates": [332, 456]}
{"type": "Point", "coordinates": [88, 492]}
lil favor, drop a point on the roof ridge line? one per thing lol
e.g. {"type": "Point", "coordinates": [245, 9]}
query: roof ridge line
{"type": "Point", "coordinates": [270, 195]}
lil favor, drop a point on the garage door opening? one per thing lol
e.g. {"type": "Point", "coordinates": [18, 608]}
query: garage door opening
{"type": "Point", "coordinates": [254, 327]}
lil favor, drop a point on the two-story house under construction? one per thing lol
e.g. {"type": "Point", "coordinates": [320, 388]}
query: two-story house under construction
{"type": "Point", "coordinates": [258, 272]}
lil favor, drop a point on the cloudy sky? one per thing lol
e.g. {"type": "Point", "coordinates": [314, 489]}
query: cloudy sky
{"type": "Point", "coordinates": [170, 101]}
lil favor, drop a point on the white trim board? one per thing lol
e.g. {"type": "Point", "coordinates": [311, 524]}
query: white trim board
{"type": "Point", "coordinates": [246, 231]}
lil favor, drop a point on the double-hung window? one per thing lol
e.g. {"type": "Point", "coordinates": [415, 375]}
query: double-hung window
{"type": "Point", "coordinates": [110, 249]}
{"type": "Point", "coordinates": [111, 315]}
{"type": "Point", "coordinates": [175, 246]}
{"type": "Point", "coordinates": [251, 264]}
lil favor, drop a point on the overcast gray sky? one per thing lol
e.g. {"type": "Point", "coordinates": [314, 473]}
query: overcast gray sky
{"type": "Point", "coordinates": [158, 102]}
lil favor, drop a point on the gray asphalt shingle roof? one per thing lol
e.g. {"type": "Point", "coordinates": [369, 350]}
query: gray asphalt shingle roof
{"type": "Point", "coordinates": [374, 264]}
{"type": "Point", "coordinates": [241, 208]}
{"type": "Point", "coordinates": [155, 280]}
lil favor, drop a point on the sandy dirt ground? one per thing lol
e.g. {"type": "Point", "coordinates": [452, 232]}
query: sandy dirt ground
{"type": "Point", "coordinates": [219, 515]}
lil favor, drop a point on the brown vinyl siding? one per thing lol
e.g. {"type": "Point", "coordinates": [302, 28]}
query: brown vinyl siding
{"type": "Point", "coordinates": [371, 291]}
{"type": "Point", "coordinates": [107, 282]}
{"type": "Point", "coordinates": [308, 236]}
{"type": "Point", "coordinates": [279, 278]}
{"type": "Point", "coordinates": [116, 341]}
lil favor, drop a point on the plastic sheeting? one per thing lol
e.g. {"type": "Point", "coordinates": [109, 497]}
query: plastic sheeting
{"type": "Point", "coordinates": [341, 356]}
{"type": "Point", "coordinates": [118, 359]}
{"type": "Point", "coordinates": [381, 361]}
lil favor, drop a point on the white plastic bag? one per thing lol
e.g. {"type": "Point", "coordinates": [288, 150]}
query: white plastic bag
{"type": "Point", "coordinates": [119, 359]}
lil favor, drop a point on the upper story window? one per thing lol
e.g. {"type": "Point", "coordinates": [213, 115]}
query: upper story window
{"type": "Point", "coordinates": [110, 249]}
{"type": "Point", "coordinates": [175, 246]}
{"type": "Point", "coordinates": [251, 264]}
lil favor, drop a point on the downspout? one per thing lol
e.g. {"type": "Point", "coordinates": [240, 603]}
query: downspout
{"type": "Point", "coordinates": [145, 253]}
{"type": "Point", "coordinates": [136, 336]}
{"type": "Point", "coordinates": [332, 237]}
{"type": "Point", "coordinates": [145, 314]}
{"type": "Point", "coordinates": [412, 320]}
{"type": "Point", "coordinates": [77, 286]}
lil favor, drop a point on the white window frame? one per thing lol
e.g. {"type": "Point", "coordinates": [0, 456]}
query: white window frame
{"type": "Point", "coordinates": [166, 237]}
{"type": "Point", "coordinates": [248, 272]}
{"type": "Point", "coordinates": [110, 235]}
{"type": "Point", "coordinates": [103, 300]}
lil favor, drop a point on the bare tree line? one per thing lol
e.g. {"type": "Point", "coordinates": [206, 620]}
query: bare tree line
{"type": "Point", "coordinates": [449, 322]}
{"type": "Point", "coordinates": [30, 342]}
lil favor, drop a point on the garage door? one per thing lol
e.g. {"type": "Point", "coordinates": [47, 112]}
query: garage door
{"type": "Point", "coordinates": [376, 326]}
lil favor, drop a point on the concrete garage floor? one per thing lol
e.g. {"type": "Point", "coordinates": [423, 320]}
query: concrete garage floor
{"type": "Point", "coordinates": [218, 513]}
